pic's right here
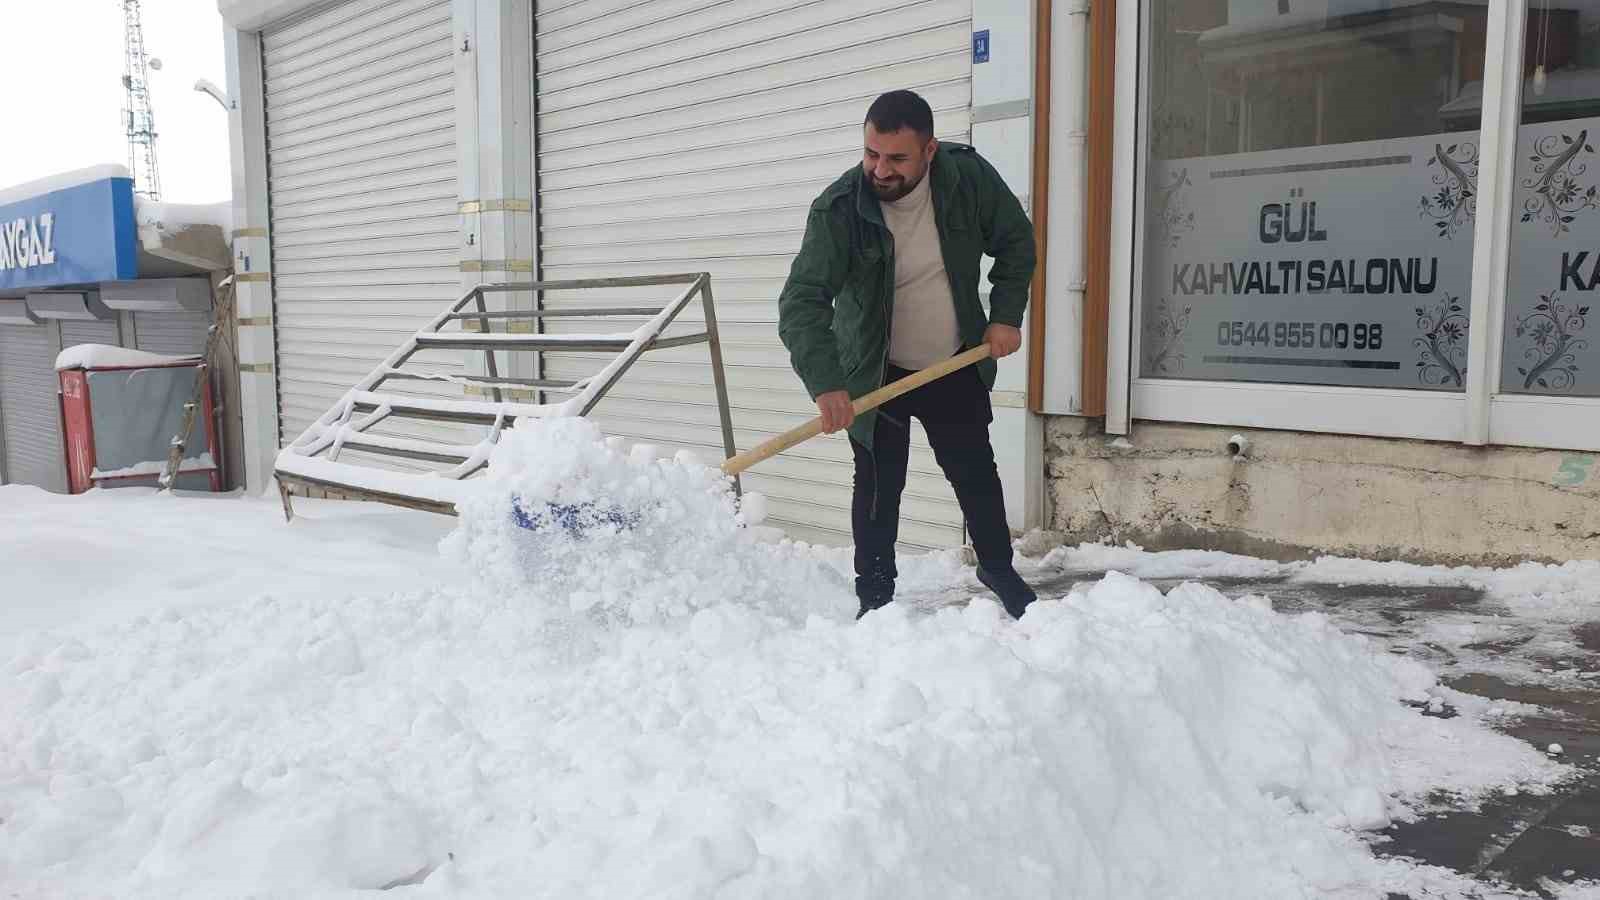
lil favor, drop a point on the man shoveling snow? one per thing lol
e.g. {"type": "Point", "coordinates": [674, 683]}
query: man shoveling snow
{"type": "Point", "coordinates": [632, 695]}
{"type": "Point", "coordinates": [886, 283]}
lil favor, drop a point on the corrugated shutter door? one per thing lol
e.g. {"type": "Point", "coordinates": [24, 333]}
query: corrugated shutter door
{"type": "Point", "coordinates": [28, 407]}
{"type": "Point", "coordinates": [100, 331]}
{"type": "Point", "coordinates": [691, 135]}
{"type": "Point", "coordinates": [172, 333]}
{"type": "Point", "coordinates": [361, 159]}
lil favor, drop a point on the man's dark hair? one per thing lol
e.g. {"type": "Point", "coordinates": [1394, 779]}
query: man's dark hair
{"type": "Point", "coordinates": [901, 109]}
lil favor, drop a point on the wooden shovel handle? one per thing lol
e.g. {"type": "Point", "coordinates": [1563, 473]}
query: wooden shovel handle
{"type": "Point", "coordinates": [877, 398]}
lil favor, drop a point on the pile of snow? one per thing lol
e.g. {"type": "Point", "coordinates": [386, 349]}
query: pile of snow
{"type": "Point", "coordinates": [569, 522]}
{"type": "Point", "coordinates": [176, 217]}
{"type": "Point", "coordinates": [1118, 743]}
{"type": "Point", "coordinates": [673, 709]}
{"type": "Point", "coordinates": [105, 356]}
{"type": "Point", "coordinates": [1134, 560]}
{"type": "Point", "coordinates": [27, 190]}
{"type": "Point", "coordinates": [202, 463]}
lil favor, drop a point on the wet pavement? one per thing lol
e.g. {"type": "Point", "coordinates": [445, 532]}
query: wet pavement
{"type": "Point", "coordinates": [1530, 842]}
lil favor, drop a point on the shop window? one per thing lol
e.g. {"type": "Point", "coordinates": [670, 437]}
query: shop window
{"type": "Point", "coordinates": [1310, 191]}
{"type": "Point", "coordinates": [1549, 344]}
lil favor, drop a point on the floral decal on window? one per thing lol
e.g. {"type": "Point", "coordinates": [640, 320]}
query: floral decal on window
{"type": "Point", "coordinates": [1558, 196]}
{"type": "Point", "coordinates": [1166, 329]}
{"type": "Point", "coordinates": [1455, 203]}
{"type": "Point", "coordinates": [1552, 327]}
{"type": "Point", "coordinates": [1443, 343]}
{"type": "Point", "coordinates": [1176, 218]}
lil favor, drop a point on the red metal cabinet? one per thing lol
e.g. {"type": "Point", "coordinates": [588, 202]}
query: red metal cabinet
{"type": "Point", "coordinates": [120, 421]}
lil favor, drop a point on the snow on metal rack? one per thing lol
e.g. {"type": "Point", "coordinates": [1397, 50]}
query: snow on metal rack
{"type": "Point", "coordinates": [312, 461]}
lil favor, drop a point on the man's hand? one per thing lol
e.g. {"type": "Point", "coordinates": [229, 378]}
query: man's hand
{"type": "Point", "coordinates": [1003, 340]}
{"type": "Point", "coordinates": [836, 411]}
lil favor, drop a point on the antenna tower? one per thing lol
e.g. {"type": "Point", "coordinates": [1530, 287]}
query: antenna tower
{"type": "Point", "coordinates": [137, 116]}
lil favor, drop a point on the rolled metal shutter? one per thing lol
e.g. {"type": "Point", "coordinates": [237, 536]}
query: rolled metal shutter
{"type": "Point", "coordinates": [28, 407]}
{"type": "Point", "coordinates": [172, 333]}
{"type": "Point", "coordinates": [100, 331]}
{"type": "Point", "coordinates": [691, 135]}
{"type": "Point", "coordinates": [361, 161]}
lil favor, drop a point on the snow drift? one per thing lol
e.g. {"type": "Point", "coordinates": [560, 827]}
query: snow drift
{"type": "Point", "coordinates": [569, 522]}
{"type": "Point", "coordinates": [677, 710]}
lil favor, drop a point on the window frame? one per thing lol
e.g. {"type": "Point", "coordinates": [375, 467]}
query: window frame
{"type": "Point", "coordinates": [1480, 414]}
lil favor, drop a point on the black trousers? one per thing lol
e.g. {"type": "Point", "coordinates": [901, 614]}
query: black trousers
{"type": "Point", "coordinates": [955, 412]}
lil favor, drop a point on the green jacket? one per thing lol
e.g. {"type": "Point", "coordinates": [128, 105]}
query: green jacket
{"type": "Point", "coordinates": [835, 310]}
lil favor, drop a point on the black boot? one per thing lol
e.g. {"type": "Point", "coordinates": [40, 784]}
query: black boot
{"type": "Point", "coordinates": [873, 594]}
{"type": "Point", "coordinates": [868, 604]}
{"type": "Point", "coordinates": [1014, 593]}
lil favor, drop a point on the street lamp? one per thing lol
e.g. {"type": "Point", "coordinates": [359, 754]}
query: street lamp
{"type": "Point", "coordinates": [206, 87]}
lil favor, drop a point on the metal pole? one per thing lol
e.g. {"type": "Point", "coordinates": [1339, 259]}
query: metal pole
{"type": "Point", "coordinates": [58, 483]}
{"type": "Point", "coordinates": [630, 356]}
{"type": "Point", "coordinates": [540, 396]}
{"type": "Point", "coordinates": [288, 505]}
{"type": "Point", "coordinates": [5, 475]}
{"type": "Point", "coordinates": [568, 284]}
{"type": "Point", "coordinates": [488, 355]}
{"type": "Point", "coordinates": [714, 342]}
{"type": "Point", "coordinates": [220, 315]}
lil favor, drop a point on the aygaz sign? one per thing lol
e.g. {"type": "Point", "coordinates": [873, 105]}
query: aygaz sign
{"type": "Point", "coordinates": [72, 236]}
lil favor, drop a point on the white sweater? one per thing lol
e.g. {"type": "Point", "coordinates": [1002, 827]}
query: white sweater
{"type": "Point", "coordinates": [924, 330]}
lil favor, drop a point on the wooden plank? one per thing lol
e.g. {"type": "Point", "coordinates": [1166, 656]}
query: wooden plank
{"type": "Point", "coordinates": [1097, 207]}
{"type": "Point", "coordinates": [338, 491]}
{"type": "Point", "coordinates": [1039, 200]}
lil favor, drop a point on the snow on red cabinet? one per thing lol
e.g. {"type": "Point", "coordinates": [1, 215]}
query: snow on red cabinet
{"type": "Point", "coordinates": [121, 409]}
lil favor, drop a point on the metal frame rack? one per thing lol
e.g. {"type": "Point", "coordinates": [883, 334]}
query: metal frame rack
{"type": "Point", "coordinates": [311, 461]}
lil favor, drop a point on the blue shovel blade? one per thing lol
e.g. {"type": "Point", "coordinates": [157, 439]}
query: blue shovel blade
{"type": "Point", "coordinates": [574, 518]}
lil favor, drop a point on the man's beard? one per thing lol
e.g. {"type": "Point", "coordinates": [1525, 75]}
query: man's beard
{"type": "Point", "coordinates": [893, 190]}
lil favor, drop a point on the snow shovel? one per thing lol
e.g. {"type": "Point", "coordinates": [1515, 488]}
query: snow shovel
{"type": "Point", "coordinates": [577, 519]}
{"type": "Point", "coordinates": [861, 404]}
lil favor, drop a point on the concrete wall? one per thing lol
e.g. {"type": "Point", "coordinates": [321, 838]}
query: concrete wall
{"type": "Point", "coordinates": [1002, 130]}
{"type": "Point", "coordinates": [1298, 495]}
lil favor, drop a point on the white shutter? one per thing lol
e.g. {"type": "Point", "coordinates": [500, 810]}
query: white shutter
{"type": "Point", "coordinates": [691, 135]}
{"type": "Point", "coordinates": [361, 161]}
{"type": "Point", "coordinates": [178, 333]}
{"type": "Point", "coordinates": [28, 407]}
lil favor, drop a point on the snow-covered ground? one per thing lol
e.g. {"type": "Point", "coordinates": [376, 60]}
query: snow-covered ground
{"type": "Point", "coordinates": [109, 556]}
{"type": "Point", "coordinates": [200, 700]}
{"type": "Point", "coordinates": [1515, 623]}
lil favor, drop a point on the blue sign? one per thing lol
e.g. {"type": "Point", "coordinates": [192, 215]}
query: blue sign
{"type": "Point", "coordinates": [77, 235]}
{"type": "Point", "coordinates": [980, 46]}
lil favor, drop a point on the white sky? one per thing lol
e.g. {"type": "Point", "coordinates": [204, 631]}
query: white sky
{"type": "Point", "coordinates": [63, 103]}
